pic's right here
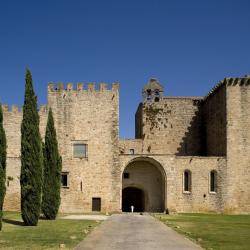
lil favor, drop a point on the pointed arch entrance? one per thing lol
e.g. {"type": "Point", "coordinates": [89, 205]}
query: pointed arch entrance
{"type": "Point", "coordinates": [143, 186]}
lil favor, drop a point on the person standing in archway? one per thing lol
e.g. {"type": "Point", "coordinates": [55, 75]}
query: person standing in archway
{"type": "Point", "coordinates": [132, 209]}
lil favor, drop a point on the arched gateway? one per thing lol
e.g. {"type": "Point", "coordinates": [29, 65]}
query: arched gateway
{"type": "Point", "coordinates": [143, 186]}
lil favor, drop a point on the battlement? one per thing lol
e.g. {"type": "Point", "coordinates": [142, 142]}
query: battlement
{"type": "Point", "coordinates": [15, 109]}
{"type": "Point", "coordinates": [43, 109]}
{"type": "Point", "coordinates": [11, 108]}
{"type": "Point", "coordinates": [230, 81]}
{"type": "Point", "coordinates": [80, 87]}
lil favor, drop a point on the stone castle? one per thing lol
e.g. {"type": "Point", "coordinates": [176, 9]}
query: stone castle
{"type": "Point", "coordinates": [190, 154]}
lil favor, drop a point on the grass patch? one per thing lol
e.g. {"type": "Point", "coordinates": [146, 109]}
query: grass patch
{"type": "Point", "coordinates": [212, 231]}
{"type": "Point", "coordinates": [47, 235]}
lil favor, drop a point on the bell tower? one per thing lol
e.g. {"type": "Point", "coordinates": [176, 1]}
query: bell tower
{"type": "Point", "coordinates": [152, 91]}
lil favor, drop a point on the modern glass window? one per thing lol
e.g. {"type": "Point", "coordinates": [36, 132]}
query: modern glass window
{"type": "Point", "coordinates": [187, 181]}
{"type": "Point", "coordinates": [213, 181]}
{"type": "Point", "coordinates": [80, 150]}
{"type": "Point", "coordinates": [64, 180]}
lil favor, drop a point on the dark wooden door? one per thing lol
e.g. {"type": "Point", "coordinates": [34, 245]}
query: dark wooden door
{"type": "Point", "coordinates": [96, 204]}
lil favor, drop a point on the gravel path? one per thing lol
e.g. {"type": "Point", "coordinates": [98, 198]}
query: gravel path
{"type": "Point", "coordinates": [134, 231]}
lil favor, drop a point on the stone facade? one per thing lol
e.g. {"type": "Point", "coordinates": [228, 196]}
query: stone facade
{"type": "Point", "coordinates": [179, 143]}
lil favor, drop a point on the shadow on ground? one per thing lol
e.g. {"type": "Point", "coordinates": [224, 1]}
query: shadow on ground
{"type": "Point", "coordinates": [14, 222]}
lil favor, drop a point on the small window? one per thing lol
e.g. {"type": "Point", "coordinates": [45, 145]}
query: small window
{"type": "Point", "coordinates": [80, 150]}
{"type": "Point", "coordinates": [96, 204]}
{"type": "Point", "coordinates": [64, 180]}
{"type": "Point", "coordinates": [157, 95]}
{"type": "Point", "coordinates": [9, 179]}
{"type": "Point", "coordinates": [213, 181]}
{"type": "Point", "coordinates": [132, 151]}
{"type": "Point", "coordinates": [149, 91]}
{"type": "Point", "coordinates": [149, 94]}
{"type": "Point", "coordinates": [187, 181]}
{"type": "Point", "coordinates": [126, 175]}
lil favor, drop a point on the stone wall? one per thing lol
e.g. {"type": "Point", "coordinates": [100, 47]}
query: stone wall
{"type": "Point", "coordinates": [184, 125]}
{"type": "Point", "coordinates": [238, 145]}
{"type": "Point", "coordinates": [214, 119]}
{"type": "Point", "coordinates": [12, 197]}
{"type": "Point", "coordinates": [12, 124]}
{"type": "Point", "coordinates": [12, 118]}
{"type": "Point", "coordinates": [200, 199]}
{"type": "Point", "coordinates": [126, 145]}
{"type": "Point", "coordinates": [89, 116]}
{"type": "Point", "coordinates": [170, 126]}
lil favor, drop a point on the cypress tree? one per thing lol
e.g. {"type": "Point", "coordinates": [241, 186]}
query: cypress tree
{"type": "Point", "coordinates": [52, 172]}
{"type": "Point", "coordinates": [31, 160]}
{"type": "Point", "coordinates": [2, 165]}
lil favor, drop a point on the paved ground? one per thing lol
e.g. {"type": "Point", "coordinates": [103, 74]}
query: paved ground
{"type": "Point", "coordinates": [134, 231]}
{"type": "Point", "coordinates": [86, 217]}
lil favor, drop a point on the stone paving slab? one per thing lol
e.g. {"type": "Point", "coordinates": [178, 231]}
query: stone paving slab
{"type": "Point", "coordinates": [134, 231]}
{"type": "Point", "coordinates": [86, 217]}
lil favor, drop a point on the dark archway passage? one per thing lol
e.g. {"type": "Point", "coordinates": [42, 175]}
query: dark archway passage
{"type": "Point", "coordinates": [143, 186]}
{"type": "Point", "coordinates": [132, 197]}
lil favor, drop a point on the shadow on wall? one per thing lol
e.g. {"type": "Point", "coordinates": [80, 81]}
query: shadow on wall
{"type": "Point", "coordinates": [194, 141]}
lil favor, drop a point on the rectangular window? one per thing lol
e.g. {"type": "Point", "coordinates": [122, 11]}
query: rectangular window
{"type": "Point", "coordinates": [64, 180]}
{"type": "Point", "coordinates": [96, 204]}
{"type": "Point", "coordinates": [187, 181]}
{"type": "Point", "coordinates": [132, 151]}
{"type": "Point", "coordinates": [213, 181]}
{"type": "Point", "coordinates": [80, 150]}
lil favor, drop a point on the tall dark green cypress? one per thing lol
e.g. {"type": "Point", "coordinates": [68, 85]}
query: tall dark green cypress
{"type": "Point", "coordinates": [2, 165]}
{"type": "Point", "coordinates": [31, 152]}
{"type": "Point", "coordinates": [52, 172]}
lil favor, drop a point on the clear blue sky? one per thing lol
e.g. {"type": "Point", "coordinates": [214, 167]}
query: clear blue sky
{"type": "Point", "coordinates": [187, 45]}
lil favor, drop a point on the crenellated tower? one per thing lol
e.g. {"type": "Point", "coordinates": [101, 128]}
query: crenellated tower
{"type": "Point", "coordinates": [88, 118]}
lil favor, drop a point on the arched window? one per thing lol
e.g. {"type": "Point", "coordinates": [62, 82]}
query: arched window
{"type": "Point", "coordinates": [187, 181]}
{"type": "Point", "coordinates": [213, 181]}
{"type": "Point", "coordinates": [157, 95]}
{"type": "Point", "coordinates": [149, 94]}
